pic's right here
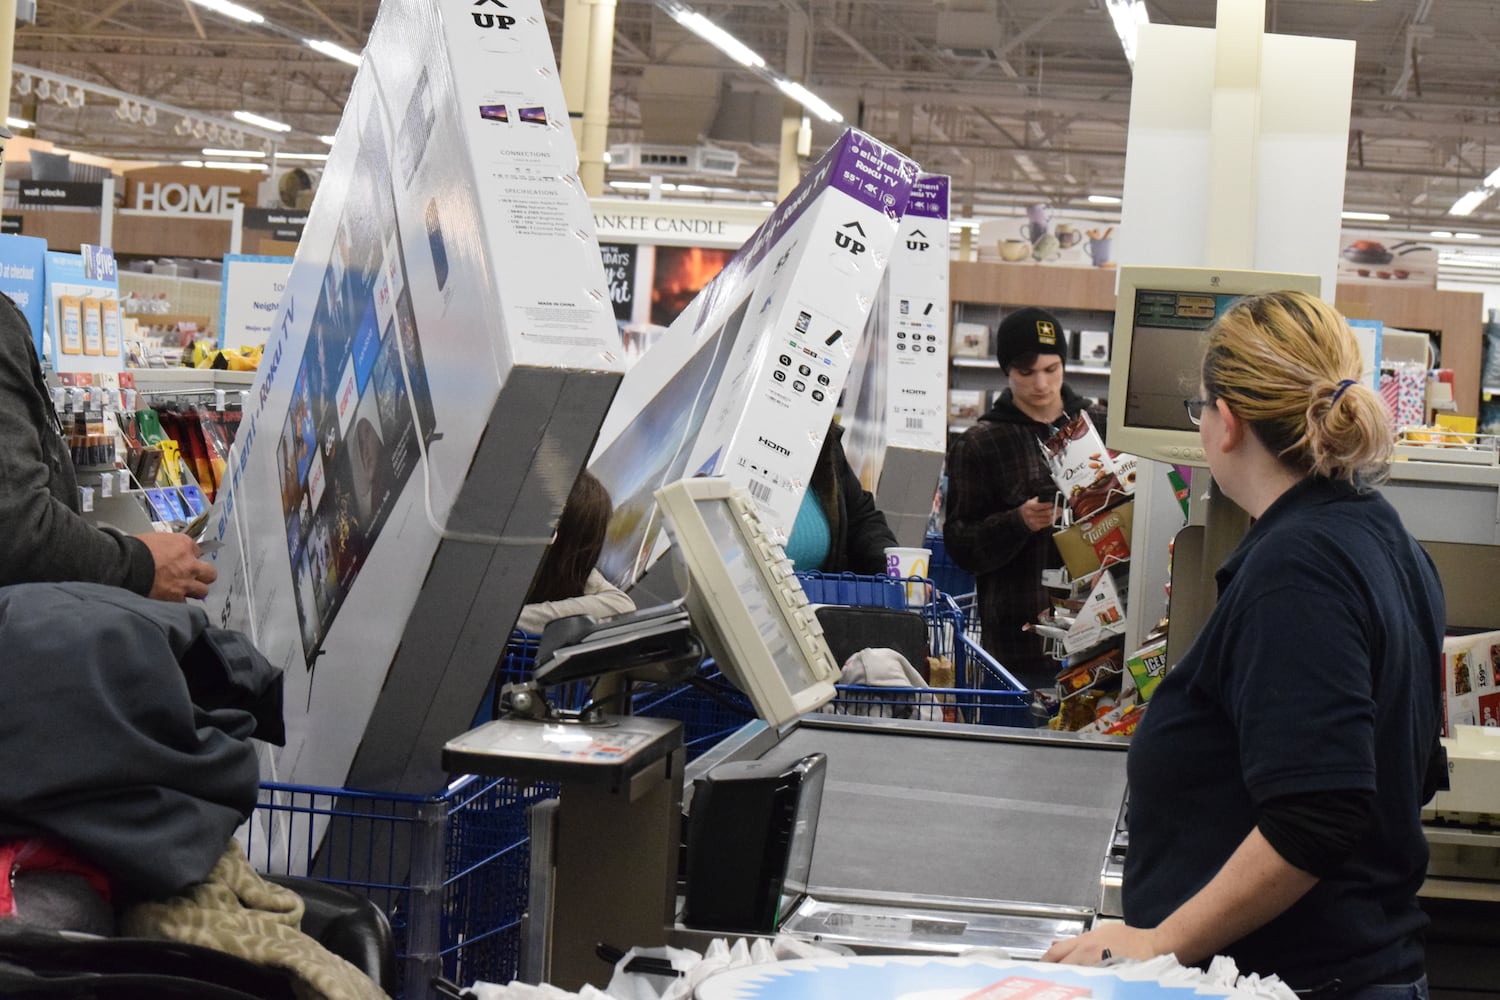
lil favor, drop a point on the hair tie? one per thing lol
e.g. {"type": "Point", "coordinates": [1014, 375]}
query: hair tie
{"type": "Point", "coordinates": [1346, 383]}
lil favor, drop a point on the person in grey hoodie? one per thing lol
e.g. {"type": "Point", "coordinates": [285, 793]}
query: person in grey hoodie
{"type": "Point", "coordinates": [43, 537]}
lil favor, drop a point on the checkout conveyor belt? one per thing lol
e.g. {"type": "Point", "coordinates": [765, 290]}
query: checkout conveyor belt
{"type": "Point", "coordinates": [971, 812]}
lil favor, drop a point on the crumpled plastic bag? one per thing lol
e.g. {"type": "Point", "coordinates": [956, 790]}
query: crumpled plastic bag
{"type": "Point", "coordinates": [695, 968]}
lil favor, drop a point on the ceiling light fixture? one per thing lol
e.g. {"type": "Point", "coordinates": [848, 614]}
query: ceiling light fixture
{"type": "Point", "coordinates": [1469, 201]}
{"type": "Point", "coordinates": [1128, 16]}
{"type": "Point", "coordinates": [18, 123]}
{"type": "Point", "coordinates": [332, 51]}
{"type": "Point", "coordinates": [1441, 234]}
{"type": "Point", "coordinates": [1467, 236]}
{"type": "Point", "coordinates": [266, 123]}
{"type": "Point", "coordinates": [233, 10]}
{"type": "Point", "coordinates": [301, 156]}
{"type": "Point", "coordinates": [253, 154]}
{"type": "Point", "coordinates": [234, 165]}
{"type": "Point", "coordinates": [1103, 199]}
{"type": "Point", "coordinates": [192, 163]}
{"type": "Point", "coordinates": [1367, 216]}
{"type": "Point", "coordinates": [747, 57]}
{"type": "Point", "coordinates": [809, 100]}
{"type": "Point", "coordinates": [717, 37]}
{"type": "Point", "coordinates": [326, 140]}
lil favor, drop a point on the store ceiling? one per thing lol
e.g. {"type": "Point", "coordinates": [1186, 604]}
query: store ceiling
{"type": "Point", "coordinates": [1019, 100]}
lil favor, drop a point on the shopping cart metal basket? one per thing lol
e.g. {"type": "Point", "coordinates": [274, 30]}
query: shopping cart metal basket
{"type": "Point", "coordinates": [449, 870]}
{"type": "Point", "coordinates": [984, 691]}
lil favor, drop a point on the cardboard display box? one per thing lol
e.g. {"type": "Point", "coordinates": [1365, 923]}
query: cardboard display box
{"type": "Point", "coordinates": [1471, 694]}
{"type": "Point", "coordinates": [745, 381]}
{"type": "Point", "coordinates": [894, 407]}
{"type": "Point", "coordinates": [437, 371]}
{"type": "Point", "coordinates": [1087, 543]}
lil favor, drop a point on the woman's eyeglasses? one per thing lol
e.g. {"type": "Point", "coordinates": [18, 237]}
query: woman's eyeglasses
{"type": "Point", "coordinates": [1195, 409]}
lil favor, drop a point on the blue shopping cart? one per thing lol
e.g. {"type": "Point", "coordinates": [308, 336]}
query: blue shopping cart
{"type": "Point", "coordinates": [450, 871]}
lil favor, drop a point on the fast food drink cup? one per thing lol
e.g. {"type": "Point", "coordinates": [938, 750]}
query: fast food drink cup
{"type": "Point", "coordinates": [902, 562]}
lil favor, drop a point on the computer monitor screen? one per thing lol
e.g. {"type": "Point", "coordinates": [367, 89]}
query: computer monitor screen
{"type": "Point", "coordinates": [745, 601]}
{"type": "Point", "coordinates": [1161, 316]}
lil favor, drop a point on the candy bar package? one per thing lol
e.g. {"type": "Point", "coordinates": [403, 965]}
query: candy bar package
{"type": "Point", "coordinates": [1471, 694]}
{"type": "Point", "coordinates": [1082, 467]}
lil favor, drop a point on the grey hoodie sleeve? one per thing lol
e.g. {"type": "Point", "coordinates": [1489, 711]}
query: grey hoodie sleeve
{"type": "Point", "coordinates": [42, 538]}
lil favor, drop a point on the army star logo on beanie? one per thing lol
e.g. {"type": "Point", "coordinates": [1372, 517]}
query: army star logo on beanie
{"type": "Point", "coordinates": [1028, 332]}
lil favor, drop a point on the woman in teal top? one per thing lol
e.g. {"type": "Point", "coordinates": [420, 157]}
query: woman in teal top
{"type": "Point", "coordinates": [838, 528]}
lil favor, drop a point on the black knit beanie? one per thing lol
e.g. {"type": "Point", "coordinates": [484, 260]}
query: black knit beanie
{"type": "Point", "coordinates": [1029, 331]}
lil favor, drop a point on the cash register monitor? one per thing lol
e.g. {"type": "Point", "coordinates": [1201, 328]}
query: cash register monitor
{"type": "Point", "coordinates": [1161, 314]}
{"type": "Point", "coordinates": [745, 601]}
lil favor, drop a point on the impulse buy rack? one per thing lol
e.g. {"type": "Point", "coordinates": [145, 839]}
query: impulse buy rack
{"type": "Point", "coordinates": [1448, 495]}
{"type": "Point", "coordinates": [92, 410]}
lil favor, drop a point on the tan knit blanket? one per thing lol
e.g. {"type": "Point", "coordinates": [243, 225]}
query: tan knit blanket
{"type": "Point", "coordinates": [238, 912]}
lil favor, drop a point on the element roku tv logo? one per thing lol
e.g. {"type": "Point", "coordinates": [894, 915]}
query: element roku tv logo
{"type": "Point", "coordinates": [845, 241]}
{"type": "Point", "coordinates": [500, 22]}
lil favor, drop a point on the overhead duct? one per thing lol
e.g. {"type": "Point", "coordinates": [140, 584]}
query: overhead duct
{"type": "Point", "coordinates": [677, 103]}
{"type": "Point", "coordinates": [748, 116]}
{"type": "Point", "coordinates": [971, 33]}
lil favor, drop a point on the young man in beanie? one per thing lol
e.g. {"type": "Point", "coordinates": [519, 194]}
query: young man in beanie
{"type": "Point", "coordinates": [999, 508]}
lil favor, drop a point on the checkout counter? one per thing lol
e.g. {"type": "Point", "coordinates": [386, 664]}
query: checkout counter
{"type": "Point", "coordinates": [1450, 500]}
{"type": "Point", "coordinates": [936, 837]}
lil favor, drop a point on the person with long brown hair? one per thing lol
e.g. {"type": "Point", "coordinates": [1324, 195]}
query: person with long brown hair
{"type": "Point", "coordinates": [567, 582]}
{"type": "Point", "coordinates": [1277, 779]}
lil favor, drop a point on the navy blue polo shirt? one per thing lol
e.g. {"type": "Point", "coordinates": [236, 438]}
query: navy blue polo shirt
{"type": "Point", "coordinates": [1318, 670]}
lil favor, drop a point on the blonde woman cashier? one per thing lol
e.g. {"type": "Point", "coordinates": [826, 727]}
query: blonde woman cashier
{"type": "Point", "coordinates": [1277, 780]}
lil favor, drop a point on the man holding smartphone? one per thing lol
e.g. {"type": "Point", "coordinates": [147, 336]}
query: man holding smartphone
{"type": "Point", "coordinates": [43, 537]}
{"type": "Point", "coordinates": [1001, 497]}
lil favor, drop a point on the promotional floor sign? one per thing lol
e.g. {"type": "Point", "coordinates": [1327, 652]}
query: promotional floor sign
{"type": "Point", "coordinates": [895, 408]}
{"type": "Point", "coordinates": [249, 297]}
{"type": "Point", "coordinates": [22, 267]}
{"type": "Point", "coordinates": [745, 381]}
{"type": "Point", "coordinates": [83, 311]}
{"type": "Point", "coordinates": [436, 373]}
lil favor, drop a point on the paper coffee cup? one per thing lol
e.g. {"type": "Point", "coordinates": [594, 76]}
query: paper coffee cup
{"type": "Point", "coordinates": [906, 562]}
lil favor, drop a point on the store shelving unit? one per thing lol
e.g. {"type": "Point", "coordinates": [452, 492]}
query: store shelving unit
{"type": "Point", "coordinates": [984, 291]}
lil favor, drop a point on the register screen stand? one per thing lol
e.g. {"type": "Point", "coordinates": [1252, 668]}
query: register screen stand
{"type": "Point", "coordinates": [613, 879]}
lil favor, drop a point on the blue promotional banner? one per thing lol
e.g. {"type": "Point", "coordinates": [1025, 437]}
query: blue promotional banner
{"type": "Point", "coordinates": [22, 267]}
{"type": "Point", "coordinates": [897, 977]}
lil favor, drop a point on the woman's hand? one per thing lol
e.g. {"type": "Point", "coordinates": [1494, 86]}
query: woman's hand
{"type": "Point", "coordinates": [1107, 941]}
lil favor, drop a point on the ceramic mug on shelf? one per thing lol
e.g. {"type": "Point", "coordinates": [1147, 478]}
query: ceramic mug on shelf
{"type": "Point", "coordinates": [1014, 250]}
{"type": "Point", "coordinates": [1038, 221]}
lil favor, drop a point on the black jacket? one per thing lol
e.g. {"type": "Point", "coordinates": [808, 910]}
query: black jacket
{"type": "Point", "coordinates": [858, 534]}
{"type": "Point", "coordinates": [42, 536]}
{"type": "Point", "coordinates": [126, 730]}
{"type": "Point", "coordinates": [992, 470]}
